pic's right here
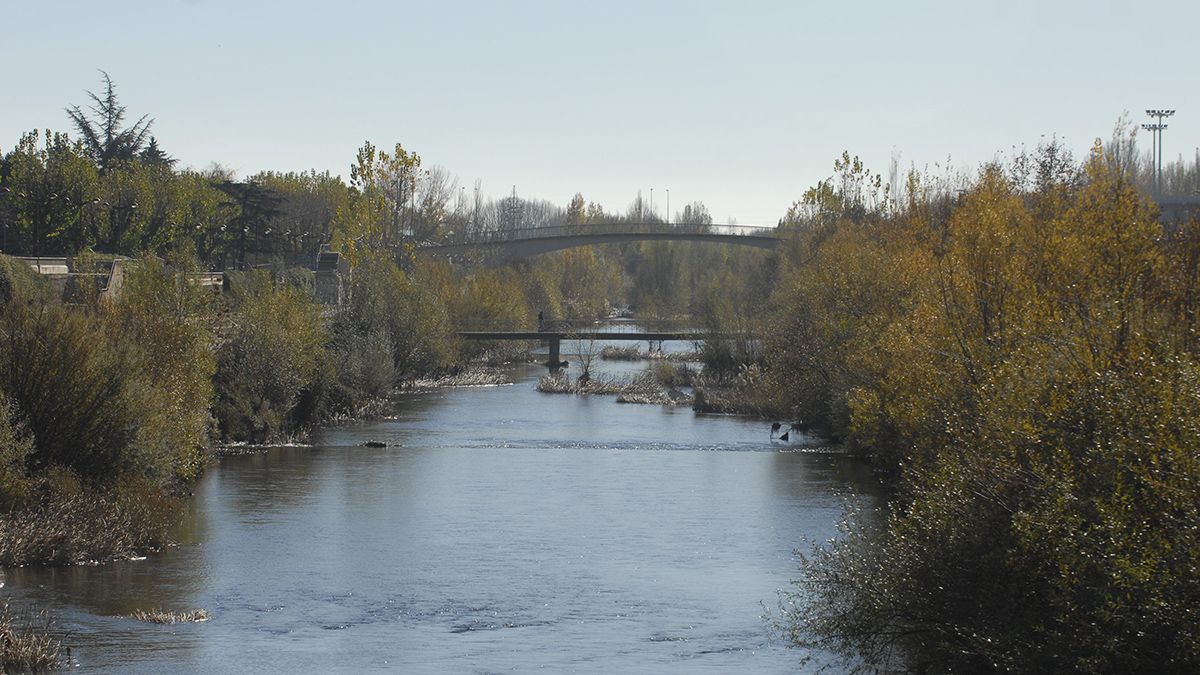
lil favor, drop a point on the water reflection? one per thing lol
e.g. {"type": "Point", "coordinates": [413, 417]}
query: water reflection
{"type": "Point", "coordinates": [503, 529]}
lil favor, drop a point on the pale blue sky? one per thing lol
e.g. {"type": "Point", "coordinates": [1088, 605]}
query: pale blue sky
{"type": "Point", "coordinates": [739, 104]}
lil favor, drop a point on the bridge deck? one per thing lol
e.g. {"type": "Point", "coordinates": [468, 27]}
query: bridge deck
{"type": "Point", "coordinates": [588, 335]}
{"type": "Point", "coordinates": [533, 241]}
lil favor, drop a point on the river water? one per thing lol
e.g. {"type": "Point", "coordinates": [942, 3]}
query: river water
{"type": "Point", "coordinates": [501, 530]}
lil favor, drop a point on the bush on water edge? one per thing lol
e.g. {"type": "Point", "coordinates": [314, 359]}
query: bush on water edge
{"type": "Point", "coordinates": [1016, 353]}
{"type": "Point", "coordinates": [64, 522]}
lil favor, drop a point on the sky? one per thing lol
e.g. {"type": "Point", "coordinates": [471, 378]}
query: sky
{"type": "Point", "coordinates": [741, 105]}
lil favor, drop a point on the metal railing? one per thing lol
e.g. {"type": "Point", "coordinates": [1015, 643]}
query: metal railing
{"type": "Point", "coordinates": [569, 326]}
{"type": "Point", "coordinates": [599, 229]}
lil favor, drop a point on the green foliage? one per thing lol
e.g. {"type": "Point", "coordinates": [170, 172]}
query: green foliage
{"type": "Point", "coordinates": [108, 142]}
{"type": "Point", "coordinates": [51, 188]}
{"type": "Point", "coordinates": [731, 300]}
{"type": "Point", "coordinates": [1017, 359]}
{"type": "Point", "coordinates": [413, 317]}
{"type": "Point", "coordinates": [167, 319]}
{"type": "Point", "coordinates": [16, 445]}
{"type": "Point", "coordinates": [20, 283]}
{"type": "Point", "coordinates": [100, 409]}
{"type": "Point", "coordinates": [660, 290]}
{"type": "Point", "coordinates": [55, 201]}
{"type": "Point", "coordinates": [588, 284]}
{"type": "Point", "coordinates": [380, 208]}
{"type": "Point", "coordinates": [70, 384]}
{"type": "Point", "coordinates": [366, 366]}
{"type": "Point", "coordinates": [494, 298]}
{"type": "Point", "coordinates": [272, 351]}
{"type": "Point", "coordinates": [306, 213]}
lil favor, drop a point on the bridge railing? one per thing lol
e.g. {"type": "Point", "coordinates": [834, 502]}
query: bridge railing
{"type": "Point", "coordinates": [569, 326]}
{"type": "Point", "coordinates": [612, 228]}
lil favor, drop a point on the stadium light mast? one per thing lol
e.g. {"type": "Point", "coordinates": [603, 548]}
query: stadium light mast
{"type": "Point", "coordinates": [1156, 155]}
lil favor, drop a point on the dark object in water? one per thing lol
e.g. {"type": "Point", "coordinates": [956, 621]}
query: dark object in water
{"type": "Point", "coordinates": [374, 444]}
{"type": "Point", "coordinates": [775, 427]}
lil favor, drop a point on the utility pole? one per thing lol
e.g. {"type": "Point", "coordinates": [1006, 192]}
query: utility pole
{"type": "Point", "coordinates": [1156, 153]}
{"type": "Point", "coordinates": [475, 211]}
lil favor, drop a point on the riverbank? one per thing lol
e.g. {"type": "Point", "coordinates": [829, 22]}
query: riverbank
{"type": "Point", "coordinates": [1019, 358]}
{"type": "Point", "coordinates": [70, 525]}
{"type": "Point", "coordinates": [488, 506]}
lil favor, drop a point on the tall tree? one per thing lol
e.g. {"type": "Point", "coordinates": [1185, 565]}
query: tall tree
{"type": "Point", "coordinates": [49, 190]}
{"type": "Point", "coordinates": [257, 205]}
{"type": "Point", "coordinates": [387, 184]}
{"type": "Point", "coordinates": [102, 132]}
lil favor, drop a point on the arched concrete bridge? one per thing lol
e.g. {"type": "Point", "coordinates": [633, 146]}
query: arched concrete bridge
{"type": "Point", "coordinates": [524, 243]}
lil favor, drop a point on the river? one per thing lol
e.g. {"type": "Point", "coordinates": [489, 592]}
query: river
{"type": "Point", "coordinates": [501, 530]}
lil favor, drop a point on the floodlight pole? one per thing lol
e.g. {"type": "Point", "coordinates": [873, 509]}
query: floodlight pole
{"type": "Point", "coordinates": [1156, 159]}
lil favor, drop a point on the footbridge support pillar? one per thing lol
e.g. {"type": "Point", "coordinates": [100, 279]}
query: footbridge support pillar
{"type": "Point", "coordinates": [554, 362]}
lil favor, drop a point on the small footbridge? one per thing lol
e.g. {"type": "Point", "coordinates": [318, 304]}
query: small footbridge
{"type": "Point", "coordinates": [553, 333]}
{"type": "Point", "coordinates": [528, 242]}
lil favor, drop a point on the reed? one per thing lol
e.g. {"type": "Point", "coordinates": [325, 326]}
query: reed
{"type": "Point", "coordinates": [74, 526]}
{"type": "Point", "coordinates": [27, 643]}
{"type": "Point", "coordinates": [167, 616]}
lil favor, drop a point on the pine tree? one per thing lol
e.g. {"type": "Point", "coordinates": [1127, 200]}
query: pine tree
{"type": "Point", "coordinates": [101, 132]}
{"type": "Point", "coordinates": [152, 155]}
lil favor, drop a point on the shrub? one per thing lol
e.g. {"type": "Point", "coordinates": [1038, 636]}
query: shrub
{"type": "Point", "coordinates": [15, 448]}
{"type": "Point", "coordinates": [18, 281]}
{"type": "Point", "coordinates": [70, 384]}
{"type": "Point", "coordinates": [387, 305]}
{"type": "Point", "coordinates": [167, 321]}
{"type": "Point", "coordinates": [1023, 372]}
{"type": "Point", "coordinates": [68, 522]}
{"type": "Point", "coordinates": [272, 351]}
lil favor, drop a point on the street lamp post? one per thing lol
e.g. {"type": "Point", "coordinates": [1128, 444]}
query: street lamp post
{"type": "Point", "coordinates": [4, 245]}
